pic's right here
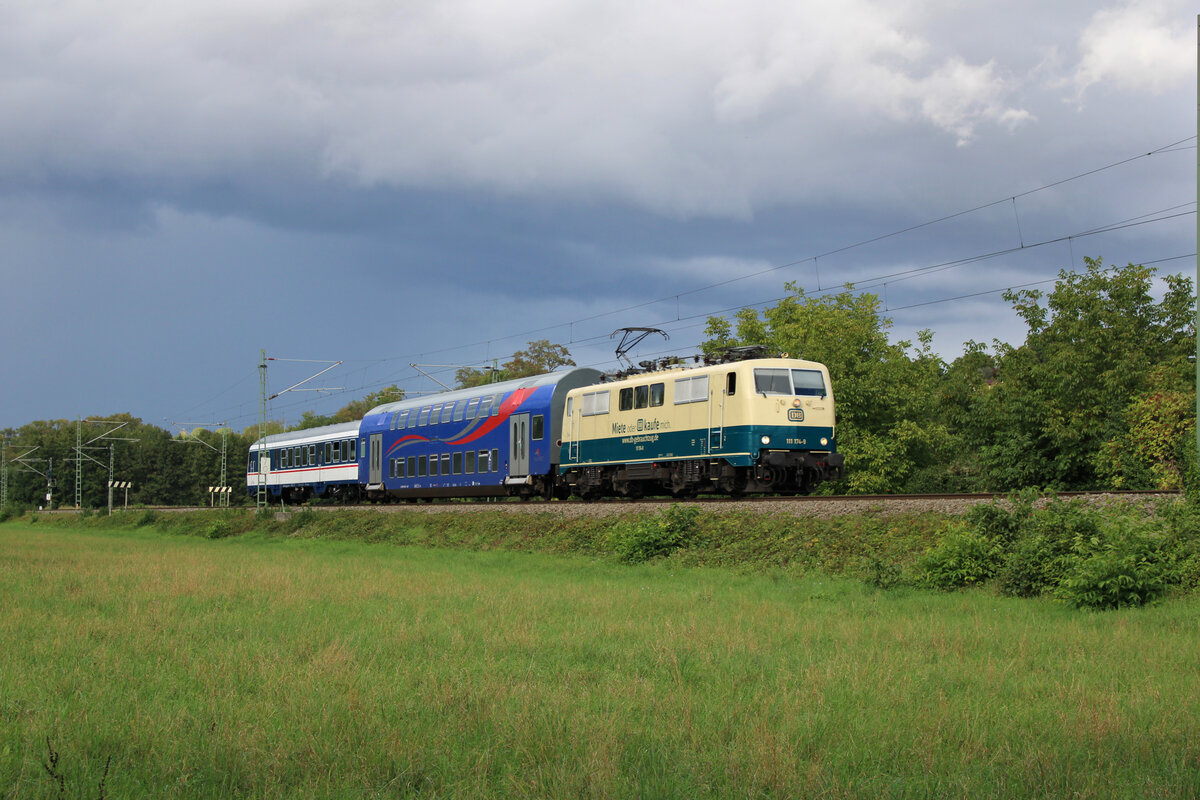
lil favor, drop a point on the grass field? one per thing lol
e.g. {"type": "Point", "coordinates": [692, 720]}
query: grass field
{"type": "Point", "coordinates": [268, 666]}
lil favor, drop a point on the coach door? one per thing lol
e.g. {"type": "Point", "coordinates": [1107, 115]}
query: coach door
{"type": "Point", "coordinates": [518, 445]}
{"type": "Point", "coordinates": [375, 460]}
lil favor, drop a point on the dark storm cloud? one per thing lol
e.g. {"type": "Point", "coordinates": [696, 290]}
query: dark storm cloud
{"type": "Point", "coordinates": [376, 180]}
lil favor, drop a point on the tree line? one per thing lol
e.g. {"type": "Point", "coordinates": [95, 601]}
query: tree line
{"type": "Point", "coordinates": [1100, 395]}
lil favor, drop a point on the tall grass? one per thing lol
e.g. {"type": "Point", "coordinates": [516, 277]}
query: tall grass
{"type": "Point", "coordinates": [269, 667]}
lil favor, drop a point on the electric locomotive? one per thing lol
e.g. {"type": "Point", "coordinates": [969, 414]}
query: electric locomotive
{"type": "Point", "coordinates": [736, 426]}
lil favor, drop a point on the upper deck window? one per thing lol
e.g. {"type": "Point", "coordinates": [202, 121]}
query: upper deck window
{"type": "Point", "coordinates": [802, 382]}
{"type": "Point", "coordinates": [424, 419]}
{"type": "Point", "coordinates": [447, 412]}
{"type": "Point", "coordinates": [459, 407]}
{"type": "Point", "coordinates": [472, 407]}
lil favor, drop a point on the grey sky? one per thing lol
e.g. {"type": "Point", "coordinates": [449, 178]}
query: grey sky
{"type": "Point", "coordinates": [184, 184]}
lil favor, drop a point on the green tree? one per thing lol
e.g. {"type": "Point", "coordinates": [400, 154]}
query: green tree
{"type": "Point", "coordinates": [1076, 397]}
{"type": "Point", "coordinates": [538, 358]}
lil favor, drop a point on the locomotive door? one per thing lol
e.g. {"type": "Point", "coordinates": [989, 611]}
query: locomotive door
{"type": "Point", "coordinates": [518, 445]}
{"type": "Point", "coordinates": [571, 435]}
{"type": "Point", "coordinates": [375, 460]}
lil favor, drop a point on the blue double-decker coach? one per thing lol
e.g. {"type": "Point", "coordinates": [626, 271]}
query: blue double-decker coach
{"type": "Point", "coordinates": [491, 440]}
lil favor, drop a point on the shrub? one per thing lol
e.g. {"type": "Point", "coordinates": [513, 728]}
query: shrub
{"type": "Point", "coordinates": [1044, 546]}
{"type": "Point", "coordinates": [219, 529]}
{"type": "Point", "coordinates": [657, 536]}
{"type": "Point", "coordinates": [146, 518]}
{"type": "Point", "coordinates": [1128, 570]}
{"type": "Point", "coordinates": [962, 558]}
{"type": "Point", "coordinates": [9, 512]}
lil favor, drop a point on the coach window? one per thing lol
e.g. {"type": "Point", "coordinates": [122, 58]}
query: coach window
{"type": "Point", "coordinates": [329, 452]}
{"type": "Point", "coordinates": [470, 470]}
{"type": "Point", "coordinates": [537, 427]}
{"type": "Point", "coordinates": [641, 396]}
{"type": "Point", "coordinates": [495, 460]}
{"type": "Point", "coordinates": [447, 412]}
{"type": "Point", "coordinates": [353, 450]}
{"type": "Point", "coordinates": [657, 392]}
{"type": "Point", "coordinates": [496, 401]}
{"type": "Point", "coordinates": [391, 468]}
{"type": "Point", "coordinates": [312, 455]}
{"type": "Point", "coordinates": [472, 407]}
{"type": "Point", "coordinates": [457, 469]}
{"type": "Point", "coordinates": [435, 414]}
{"type": "Point", "coordinates": [424, 418]}
{"type": "Point", "coordinates": [445, 463]}
{"type": "Point", "coordinates": [286, 461]}
{"type": "Point", "coordinates": [412, 466]}
{"type": "Point", "coordinates": [484, 406]}
{"type": "Point", "coordinates": [400, 468]}
{"type": "Point", "coordinates": [337, 452]}
{"type": "Point", "coordinates": [459, 408]}
{"type": "Point", "coordinates": [483, 461]}
{"type": "Point", "coordinates": [421, 466]}
{"type": "Point", "coordinates": [625, 399]}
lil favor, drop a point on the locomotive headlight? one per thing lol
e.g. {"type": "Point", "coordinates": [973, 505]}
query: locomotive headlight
{"type": "Point", "coordinates": [766, 439]}
{"type": "Point", "coordinates": [824, 441]}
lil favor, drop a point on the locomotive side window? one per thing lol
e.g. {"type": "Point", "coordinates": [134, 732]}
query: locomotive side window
{"type": "Point", "coordinates": [537, 427]}
{"type": "Point", "coordinates": [658, 392]}
{"type": "Point", "coordinates": [594, 403]}
{"type": "Point", "coordinates": [731, 384]}
{"type": "Point", "coordinates": [691, 390]}
{"type": "Point", "coordinates": [625, 399]}
{"type": "Point", "coordinates": [641, 396]}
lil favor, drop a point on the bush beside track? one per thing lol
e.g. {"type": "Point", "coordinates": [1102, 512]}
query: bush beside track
{"type": "Point", "coordinates": [1028, 545]}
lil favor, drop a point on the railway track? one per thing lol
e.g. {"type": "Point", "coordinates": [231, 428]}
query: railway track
{"type": "Point", "coordinates": [808, 505]}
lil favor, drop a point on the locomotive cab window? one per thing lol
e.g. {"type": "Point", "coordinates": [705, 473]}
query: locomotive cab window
{"type": "Point", "coordinates": [792, 382]}
{"type": "Point", "coordinates": [808, 382]}
{"type": "Point", "coordinates": [731, 384]}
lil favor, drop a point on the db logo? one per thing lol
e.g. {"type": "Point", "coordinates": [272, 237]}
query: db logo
{"type": "Point", "coordinates": [796, 415]}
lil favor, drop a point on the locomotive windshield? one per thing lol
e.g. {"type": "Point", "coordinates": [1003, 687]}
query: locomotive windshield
{"type": "Point", "coordinates": [805, 382]}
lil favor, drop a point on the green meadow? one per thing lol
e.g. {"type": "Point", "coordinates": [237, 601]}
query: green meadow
{"type": "Point", "coordinates": [140, 663]}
